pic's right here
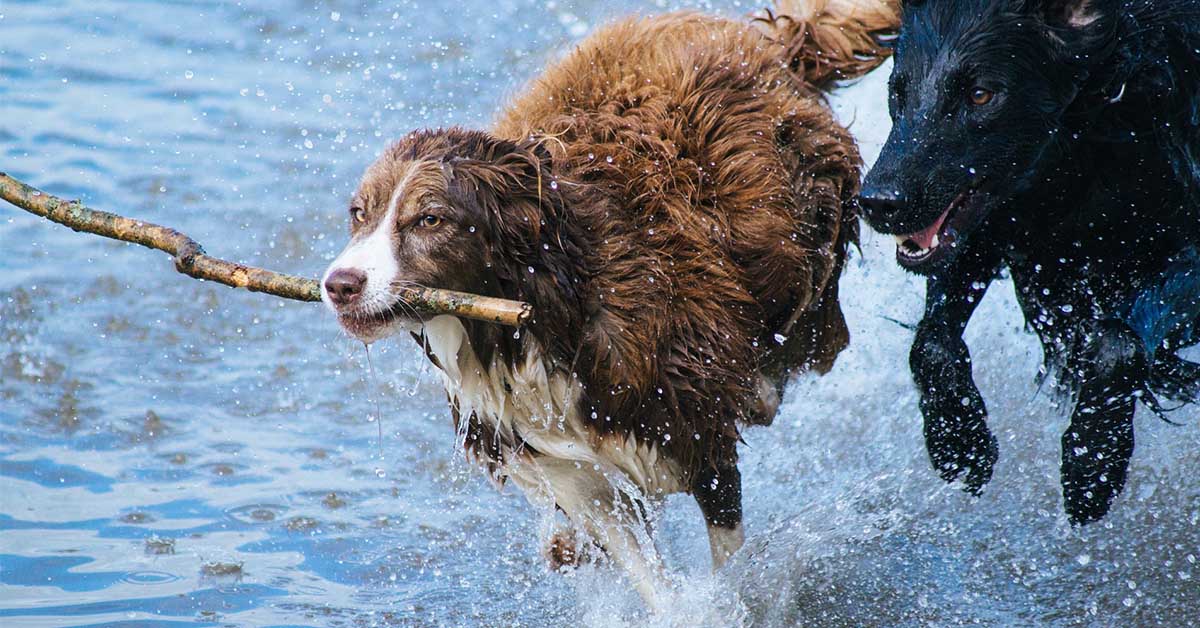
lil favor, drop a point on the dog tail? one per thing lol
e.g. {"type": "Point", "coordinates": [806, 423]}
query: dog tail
{"type": "Point", "coordinates": [832, 40]}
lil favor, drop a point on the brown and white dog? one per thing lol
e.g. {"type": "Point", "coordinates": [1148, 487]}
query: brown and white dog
{"type": "Point", "coordinates": [675, 200]}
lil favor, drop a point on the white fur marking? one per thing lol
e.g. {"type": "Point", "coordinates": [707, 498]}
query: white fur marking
{"type": "Point", "coordinates": [541, 410]}
{"type": "Point", "coordinates": [373, 254]}
{"type": "Point", "coordinates": [596, 482]}
{"type": "Point", "coordinates": [724, 542]}
{"type": "Point", "coordinates": [606, 513]}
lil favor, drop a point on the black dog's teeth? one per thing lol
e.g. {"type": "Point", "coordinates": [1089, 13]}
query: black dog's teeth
{"type": "Point", "coordinates": [910, 248]}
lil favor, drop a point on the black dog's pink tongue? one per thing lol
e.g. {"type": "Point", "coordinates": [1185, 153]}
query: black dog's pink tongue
{"type": "Point", "coordinates": [924, 239]}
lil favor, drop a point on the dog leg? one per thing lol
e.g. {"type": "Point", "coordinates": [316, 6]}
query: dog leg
{"type": "Point", "coordinates": [718, 490]}
{"type": "Point", "coordinates": [565, 549]}
{"type": "Point", "coordinates": [611, 517]}
{"type": "Point", "coordinates": [1176, 378]}
{"type": "Point", "coordinates": [1099, 442]}
{"type": "Point", "coordinates": [957, 437]}
{"type": "Point", "coordinates": [956, 433]}
{"type": "Point", "coordinates": [766, 406]}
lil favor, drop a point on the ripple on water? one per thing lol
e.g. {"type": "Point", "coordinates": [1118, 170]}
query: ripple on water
{"type": "Point", "coordinates": [150, 577]}
{"type": "Point", "coordinates": [137, 517]}
{"type": "Point", "coordinates": [257, 514]}
{"type": "Point", "coordinates": [224, 469]}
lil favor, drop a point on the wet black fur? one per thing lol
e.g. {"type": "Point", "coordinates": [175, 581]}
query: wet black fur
{"type": "Point", "coordinates": [1087, 164]}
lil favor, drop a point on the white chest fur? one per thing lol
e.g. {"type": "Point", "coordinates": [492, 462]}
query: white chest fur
{"type": "Point", "coordinates": [531, 404]}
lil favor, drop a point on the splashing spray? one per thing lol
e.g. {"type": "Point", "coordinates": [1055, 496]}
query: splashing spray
{"type": "Point", "coordinates": [374, 397]}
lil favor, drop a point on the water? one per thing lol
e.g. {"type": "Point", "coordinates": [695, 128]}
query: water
{"type": "Point", "coordinates": [151, 425]}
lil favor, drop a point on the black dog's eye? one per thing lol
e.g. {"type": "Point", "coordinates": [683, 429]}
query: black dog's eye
{"type": "Point", "coordinates": [360, 214]}
{"type": "Point", "coordinates": [980, 96]}
{"type": "Point", "coordinates": [429, 220]}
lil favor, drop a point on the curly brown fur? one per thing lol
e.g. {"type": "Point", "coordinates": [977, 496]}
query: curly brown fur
{"type": "Point", "coordinates": [832, 40]}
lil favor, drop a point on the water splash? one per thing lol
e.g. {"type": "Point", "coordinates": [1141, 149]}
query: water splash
{"type": "Point", "coordinates": [373, 395]}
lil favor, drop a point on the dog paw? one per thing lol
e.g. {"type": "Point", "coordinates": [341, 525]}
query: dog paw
{"type": "Point", "coordinates": [1089, 490]}
{"type": "Point", "coordinates": [562, 551]}
{"type": "Point", "coordinates": [965, 451]}
{"type": "Point", "coordinates": [1176, 379]}
{"type": "Point", "coordinates": [1095, 460]}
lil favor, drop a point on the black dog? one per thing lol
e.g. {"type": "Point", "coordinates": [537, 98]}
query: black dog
{"type": "Point", "coordinates": [1059, 139]}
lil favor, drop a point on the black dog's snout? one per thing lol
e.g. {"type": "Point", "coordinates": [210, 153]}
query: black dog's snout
{"type": "Point", "coordinates": [345, 285]}
{"type": "Point", "coordinates": [881, 206]}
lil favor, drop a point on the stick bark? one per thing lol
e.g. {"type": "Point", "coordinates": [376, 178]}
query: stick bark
{"type": "Point", "coordinates": [191, 260]}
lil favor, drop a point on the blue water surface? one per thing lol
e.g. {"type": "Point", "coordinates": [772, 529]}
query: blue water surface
{"type": "Point", "coordinates": [175, 453]}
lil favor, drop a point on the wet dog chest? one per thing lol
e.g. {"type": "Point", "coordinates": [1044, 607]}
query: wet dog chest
{"type": "Point", "coordinates": [532, 410]}
{"type": "Point", "coordinates": [526, 403]}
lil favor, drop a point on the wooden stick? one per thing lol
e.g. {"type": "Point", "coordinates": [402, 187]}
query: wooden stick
{"type": "Point", "coordinates": [191, 260]}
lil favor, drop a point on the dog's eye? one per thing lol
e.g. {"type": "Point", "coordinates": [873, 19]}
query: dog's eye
{"type": "Point", "coordinates": [980, 96]}
{"type": "Point", "coordinates": [360, 214]}
{"type": "Point", "coordinates": [429, 220]}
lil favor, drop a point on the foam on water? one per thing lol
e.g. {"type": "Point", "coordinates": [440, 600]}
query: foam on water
{"type": "Point", "coordinates": [137, 405]}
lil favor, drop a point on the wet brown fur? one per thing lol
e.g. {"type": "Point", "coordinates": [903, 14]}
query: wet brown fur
{"type": "Point", "coordinates": [681, 193]}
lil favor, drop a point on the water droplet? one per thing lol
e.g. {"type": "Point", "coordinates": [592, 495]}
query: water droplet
{"type": "Point", "coordinates": [609, 159]}
{"type": "Point", "coordinates": [780, 338]}
{"type": "Point", "coordinates": [554, 185]}
{"type": "Point", "coordinates": [188, 75]}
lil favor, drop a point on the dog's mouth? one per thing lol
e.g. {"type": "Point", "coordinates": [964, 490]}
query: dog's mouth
{"type": "Point", "coordinates": [369, 327]}
{"type": "Point", "coordinates": [940, 238]}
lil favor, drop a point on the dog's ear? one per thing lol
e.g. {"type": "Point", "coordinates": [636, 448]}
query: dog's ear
{"type": "Point", "coordinates": [508, 185]}
{"type": "Point", "coordinates": [1071, 14]}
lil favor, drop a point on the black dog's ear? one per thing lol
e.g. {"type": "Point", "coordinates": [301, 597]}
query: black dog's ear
{"type": "Point", "coordinates": [1075, 14]}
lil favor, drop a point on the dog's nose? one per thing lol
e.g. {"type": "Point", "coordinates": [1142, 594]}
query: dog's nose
{"type": "Point", "coordinates": [344, 285]}
{"type": "Point", "coordinates": [881, 205]}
